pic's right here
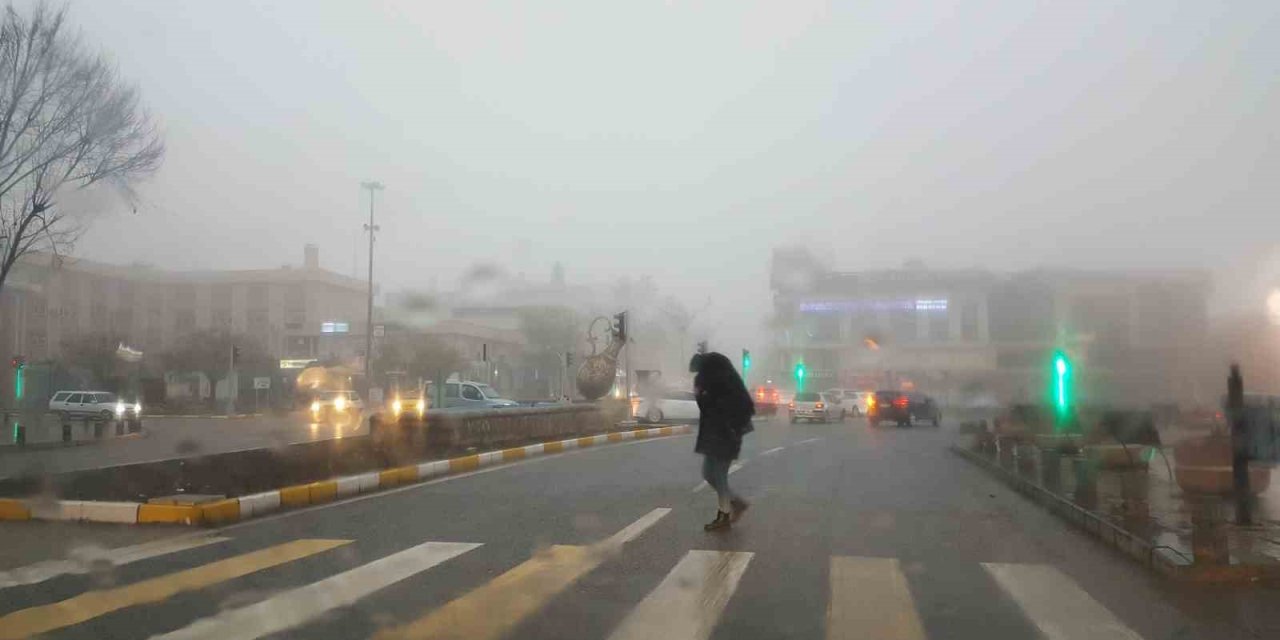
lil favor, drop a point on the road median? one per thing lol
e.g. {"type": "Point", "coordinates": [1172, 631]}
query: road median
{"type": "Point", "coordinates": [217, 510]}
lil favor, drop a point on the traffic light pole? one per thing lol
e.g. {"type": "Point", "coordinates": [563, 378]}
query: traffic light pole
{"type": "Point", "coordinates": [231, 374]}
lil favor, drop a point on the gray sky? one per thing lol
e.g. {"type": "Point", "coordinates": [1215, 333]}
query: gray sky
{"type": "Point", "coordinates": [682, 140]}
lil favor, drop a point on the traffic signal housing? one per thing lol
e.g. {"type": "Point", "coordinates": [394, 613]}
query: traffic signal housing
{"type": "Point", "coordinates": [620, 326]}
{"type": "Point", "coordinates": [746, 360]}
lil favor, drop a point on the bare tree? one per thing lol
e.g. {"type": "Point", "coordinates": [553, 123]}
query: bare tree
{"type": "Point", "coordinates": [66, 121]}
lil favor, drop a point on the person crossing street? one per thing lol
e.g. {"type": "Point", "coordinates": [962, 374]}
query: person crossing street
{"type": "Point", "coordinates": [725, 410]}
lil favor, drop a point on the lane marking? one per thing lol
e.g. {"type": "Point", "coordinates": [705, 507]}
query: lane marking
{"type": "Point", "coordinates": [293, 608]}
{"type": "Point", "coordinates": [769, 452]}
{"type": "Point", "coordinates": [91, 604]}
{"type": "Point", "coordinates": [420, 485]}
{"type": "Point", "coordinates": [491, 611]}
{"type": "Point", "coordinates": [89, 559]}
{"type": "Point", "coordinates": [689, 600]}
{"type": "Point", "coordinates": [808, 441]}
{"type": "Point", "coordinates": [1059, 608]}
{"type": "Point", "coordinates": [869, 599]}
{"type": "Point", "coordinates": [703, 485]}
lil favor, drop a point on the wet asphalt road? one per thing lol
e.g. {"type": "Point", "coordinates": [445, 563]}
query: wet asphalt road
{"type": "Point", "coordinates": [853, 532]}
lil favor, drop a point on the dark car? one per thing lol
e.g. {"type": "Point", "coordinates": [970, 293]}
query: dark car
{"type": "Point", "coordinates": [903, 408]}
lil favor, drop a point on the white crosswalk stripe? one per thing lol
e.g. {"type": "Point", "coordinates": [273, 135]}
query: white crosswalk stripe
{"type": "Point", "coordinates": [1059, 608]}
{"type": "Point", "coordinates": [688, 602]}
{"type": "Point", "coordinates": [293, 608]}
{"type": "Point", "coordinates": [88, 559]}
{"type": "Point", "coordinates": [869, 599]}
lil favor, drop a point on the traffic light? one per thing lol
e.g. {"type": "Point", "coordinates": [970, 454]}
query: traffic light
{"type": "Point", "coordinates": [19, 364]}
{"type": "Point", "coordinates": [1061, 382]}
{"type": "Point", "coordinates": [620, 328]}
{"type": "Point", "coordinates": [235, 355]}
{"type": "Point", "coordinates": [746, 360]}
{"type": "Point", "coordinates": [799, 373]}
{"type": "Point", "coordinates": [568, 359]}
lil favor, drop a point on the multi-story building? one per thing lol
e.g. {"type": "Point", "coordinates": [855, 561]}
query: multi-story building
{"type": "Point", "coordinates": [1133, 337]}
{"type": "Point", "coordinates": [292, 312]}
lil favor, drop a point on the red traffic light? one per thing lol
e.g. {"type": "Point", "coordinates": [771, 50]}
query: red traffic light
{"type": "Point", "coordinates": [18, 362]}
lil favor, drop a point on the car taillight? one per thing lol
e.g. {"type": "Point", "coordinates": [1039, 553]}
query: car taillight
{"type": "Point", "coordinates": [818, 406]}
{"type": "Point", "coordinates": [791, 405]}
{"type": "Point", "coordinates": [900, 402]}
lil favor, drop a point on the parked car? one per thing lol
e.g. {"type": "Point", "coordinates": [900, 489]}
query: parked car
{"type": "Point", "coordinates": [470, 395]}
{"type": "Point", "coordinates": [99, 404]}
{"type": "Point", "coordinates": [668, 405]}
{"type": "Point", "coordinates": [903, 408]}
{"type": "Point", "coordinates": [334, 405]}
{"type": "Point", "coordinates": [811, 406]}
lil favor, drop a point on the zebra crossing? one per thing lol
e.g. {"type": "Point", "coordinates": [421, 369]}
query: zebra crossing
{"type": "Point", "coordinates": [867, 597]}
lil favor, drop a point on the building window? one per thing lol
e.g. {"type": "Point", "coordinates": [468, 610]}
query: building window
{"type": "Point", "coordinates": [257, 296]}
{"type": "Point", "coordinates": [902, 325]}
{"type": "Point", "coordinates": [938, 323]}
{"type": "Point", "coordinates": [969, 322]}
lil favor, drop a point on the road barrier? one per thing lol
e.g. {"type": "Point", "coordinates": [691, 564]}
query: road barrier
{"type": "Point", "coordinates": [218, 511]}
{"type": "Point", "coordinates": [44, 429]}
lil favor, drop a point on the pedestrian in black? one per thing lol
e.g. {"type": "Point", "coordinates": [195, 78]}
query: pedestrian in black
{"type": "Point", "coordinates": [725, 410]}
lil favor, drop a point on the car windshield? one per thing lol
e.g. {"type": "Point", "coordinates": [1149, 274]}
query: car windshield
{"type": "Point", "coordinates": [488, 392]}
{"type": "Point", "coordinates": [643, 319]}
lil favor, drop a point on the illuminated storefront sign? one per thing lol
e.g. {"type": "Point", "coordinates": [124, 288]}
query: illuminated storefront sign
{"type": "Point", "coordinates": [910, 304]}
{"type": "Point", "coordinates": [335, 327]}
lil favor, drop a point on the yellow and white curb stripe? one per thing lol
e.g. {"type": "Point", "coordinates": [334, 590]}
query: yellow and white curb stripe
{"type": "Point", "coordinates": [245, 507]}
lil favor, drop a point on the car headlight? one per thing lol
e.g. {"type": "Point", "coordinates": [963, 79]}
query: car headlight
{"type": "Point", "coordinates": [422, 406]}
{"type": "Point", "coordinates": [315, 406]}
{"type": "Point", "coordinates": [395, 407]}
{"type": "Point", "coordinates": [137, 408]}
{"type": "Point", "coordinates": [340, 404]}
{"type": "Point", "coordinates": [119, 408]}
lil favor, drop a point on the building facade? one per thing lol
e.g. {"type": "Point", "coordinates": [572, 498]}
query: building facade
{"type": "Point", "coordinates": [1132, 337]}
{"type": "Point", "coordinates": [291, 312]}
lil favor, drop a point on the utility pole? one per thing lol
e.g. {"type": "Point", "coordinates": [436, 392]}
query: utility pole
{"type": "Point", "coordinates": [373, 186]}
{"type": "Point", "coordinates": [1239, 447]}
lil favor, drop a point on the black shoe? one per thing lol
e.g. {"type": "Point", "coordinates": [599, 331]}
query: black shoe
{"type": "Point", "coordinates": [722, 521]}
{"type": "Point", "coordinates": [740, 507]}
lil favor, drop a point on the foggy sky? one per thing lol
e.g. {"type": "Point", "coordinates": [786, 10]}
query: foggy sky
{"type": "Point", "coordinates": [682, 140]}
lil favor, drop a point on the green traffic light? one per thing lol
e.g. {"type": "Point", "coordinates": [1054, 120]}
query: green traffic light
{"type": "Point", "coordinates": [1062, 382]}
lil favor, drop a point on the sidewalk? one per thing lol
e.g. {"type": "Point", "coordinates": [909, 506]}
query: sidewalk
{"type": "Point", "coordinates": [1146, 502]}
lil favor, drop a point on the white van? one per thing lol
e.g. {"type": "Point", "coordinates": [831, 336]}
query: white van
{"type": "Point", "coordinates": [98, 404]}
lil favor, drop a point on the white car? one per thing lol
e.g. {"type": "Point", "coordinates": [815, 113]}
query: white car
{"type": "Point", "coordinates": [333, 405]}
{"type": "Point", "coordinates": [812, 406]}
{"type": "Point", "coordinates": [671, 406]}
{"type": "Point", "coordinates": [856, 402]}
{"type": "Point", "coordinates": [98, 404]}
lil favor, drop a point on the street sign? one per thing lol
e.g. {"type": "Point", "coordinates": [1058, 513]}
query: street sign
{"type": "Point", "coordinates": [262, 383]}
{"type": "Point", "coordinates": [379, 330]}
{"type": "Point", "coordinates": [296, 363]}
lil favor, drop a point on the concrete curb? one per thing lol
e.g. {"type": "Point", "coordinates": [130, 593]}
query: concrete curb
{"type": "Point", "coordinates": [245, 507]}
{"type": "Point", "coordinates": [1164, 560]}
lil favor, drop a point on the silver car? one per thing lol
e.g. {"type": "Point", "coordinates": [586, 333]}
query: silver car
{"type": "Point", "coordinates": [103, 405]}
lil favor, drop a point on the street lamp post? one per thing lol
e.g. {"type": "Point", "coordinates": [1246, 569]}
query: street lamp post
{"type": "Point", "coordinates": [373, 186]}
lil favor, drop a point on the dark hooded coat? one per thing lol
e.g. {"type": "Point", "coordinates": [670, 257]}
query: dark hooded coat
{"type": "Point", "coordinates": [724, 404]}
